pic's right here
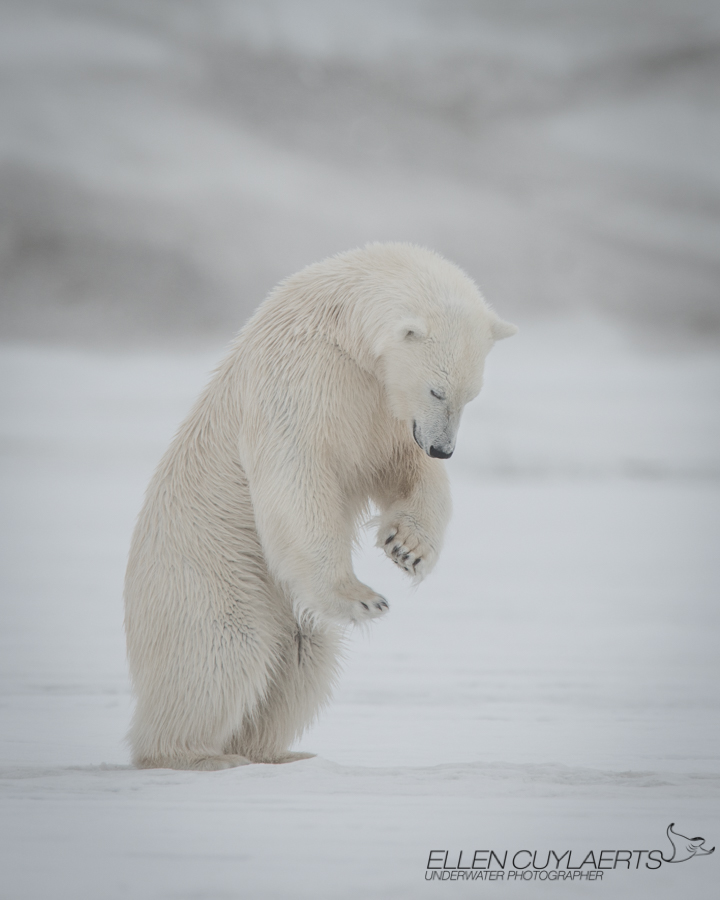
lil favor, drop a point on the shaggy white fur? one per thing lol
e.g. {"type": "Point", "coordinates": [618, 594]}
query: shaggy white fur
{"type": "Point", "coordinates": [345, 389]}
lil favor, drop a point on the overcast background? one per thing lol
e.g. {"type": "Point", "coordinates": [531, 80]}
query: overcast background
{"type": "Point", "coordinates": [554, 683]}
{"type": "Point", "coordinates": [164, 162]}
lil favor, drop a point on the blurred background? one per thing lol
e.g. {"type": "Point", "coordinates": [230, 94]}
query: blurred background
{"type": "Point", "coordinates": [163, 163]}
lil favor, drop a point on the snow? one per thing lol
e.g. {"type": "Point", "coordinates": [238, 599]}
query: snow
{"type": "Point", "coordinates": [553, 684]}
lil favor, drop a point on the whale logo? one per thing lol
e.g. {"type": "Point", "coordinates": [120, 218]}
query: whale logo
{"type": "Point", "coordinates": [685, 848]}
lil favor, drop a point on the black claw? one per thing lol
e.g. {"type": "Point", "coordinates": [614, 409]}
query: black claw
{"type": "Point", "coordinates": [364, 605]}
{"type": "Point", "coordinates": [389, 539]}
{"type": "Point", "coordinates": [405, 556]}
{"type": "Point", "coordinates": [416, 562]}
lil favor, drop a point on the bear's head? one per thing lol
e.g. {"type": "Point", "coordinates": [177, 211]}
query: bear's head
{"type": "Point", "coordinates": [432, 363]}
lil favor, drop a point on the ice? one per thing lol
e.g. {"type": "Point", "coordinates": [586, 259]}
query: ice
{"type": "Point", "coordinates": [552, 685]}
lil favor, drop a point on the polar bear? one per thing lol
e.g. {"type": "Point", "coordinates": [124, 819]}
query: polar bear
{"type": "Point", "coordinates": [344, 390]}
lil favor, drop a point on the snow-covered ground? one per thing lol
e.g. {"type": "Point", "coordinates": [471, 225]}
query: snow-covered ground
{"type": "Point", "coordinates": [552, 686]}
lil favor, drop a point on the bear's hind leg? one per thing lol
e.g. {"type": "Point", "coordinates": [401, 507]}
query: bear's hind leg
{"type": "Point", "coordinates": [185, 719]}
{"type": "Point", "coordinates": [195, 763]}
{"type": "Point", "coordinates": [301, 685]}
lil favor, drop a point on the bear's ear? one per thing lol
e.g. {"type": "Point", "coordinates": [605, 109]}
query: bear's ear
{"type": "Point", "coordinates": [502, 329]}
{"type": "Point", "coordinates": [411, 330]}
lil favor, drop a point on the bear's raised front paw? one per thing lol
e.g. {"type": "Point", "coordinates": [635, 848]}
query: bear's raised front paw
{"type": "Point", "coordinates": [407, 548]}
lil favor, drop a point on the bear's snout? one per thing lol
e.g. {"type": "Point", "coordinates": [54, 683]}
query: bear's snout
{"type": "Point", "coordinates": [437, 451]}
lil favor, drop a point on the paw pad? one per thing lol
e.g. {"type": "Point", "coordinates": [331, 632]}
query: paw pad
{"type": "Point", "coordinates": [408, 549]}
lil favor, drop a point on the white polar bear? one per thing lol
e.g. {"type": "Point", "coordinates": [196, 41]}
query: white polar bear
{"type": "Point", "coordinates": [337, 394]}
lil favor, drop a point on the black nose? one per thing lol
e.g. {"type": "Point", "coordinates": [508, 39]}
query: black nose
{"type": "Point", "coordinates": [437, 453]}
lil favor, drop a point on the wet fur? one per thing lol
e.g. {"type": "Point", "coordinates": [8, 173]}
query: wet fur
{"type": "Point", "coordinates": [240, 578]}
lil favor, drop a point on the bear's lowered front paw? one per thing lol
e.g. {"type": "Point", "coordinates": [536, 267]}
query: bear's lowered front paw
{"type": "Point", "coordinates": [357, 603]}
{"type": "Point", "coordinates": [407, 547]}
